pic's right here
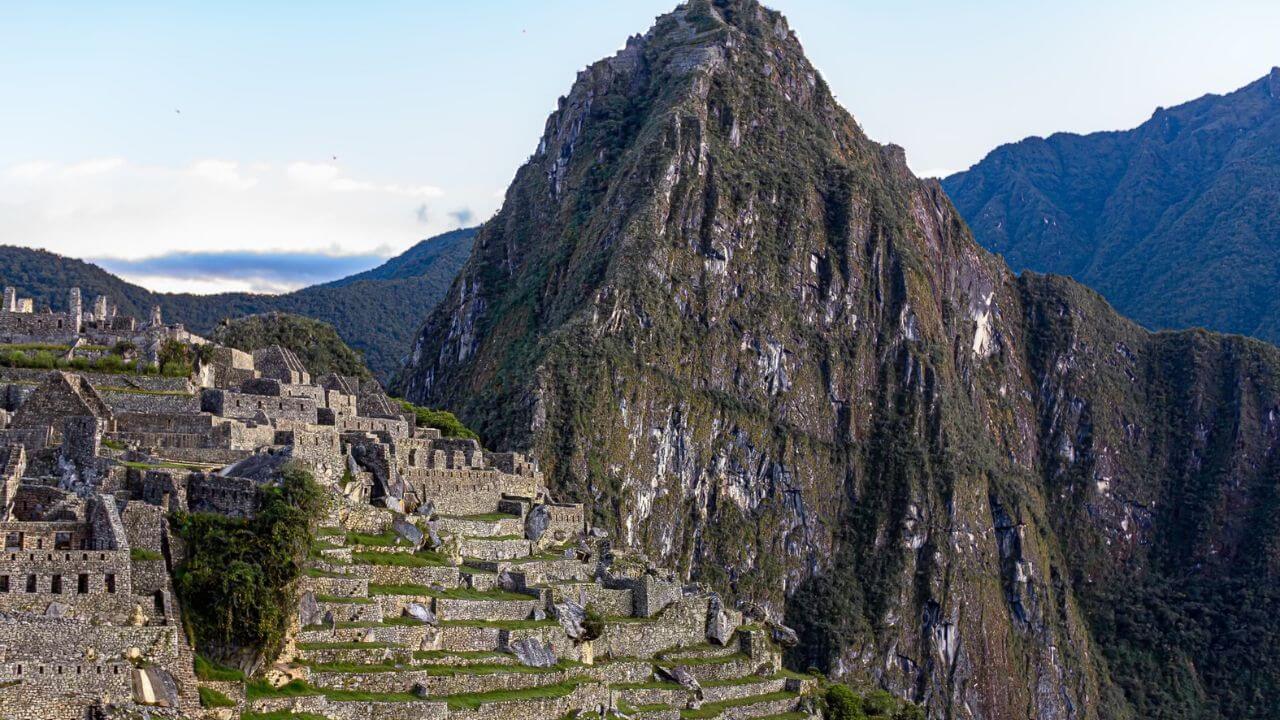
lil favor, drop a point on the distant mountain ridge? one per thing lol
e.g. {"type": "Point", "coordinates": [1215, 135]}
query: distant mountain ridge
{"type": "Point", "coordinates": [1176, 222]}
{"type": "Point", "coordinates": [377, 312]}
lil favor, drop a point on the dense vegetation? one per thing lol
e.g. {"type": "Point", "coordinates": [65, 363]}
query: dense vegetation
{"type": "Point", "coordinates": [315, 343]}
{"type": "Point", "coordinates": [754, 344]}
{"type": "Point", "coordinates": [376, 312]}
{"type": "Point", "coordinates": [1176, 221]}
{"type": "Point", "coordinates": [238, 583]}
{"type": "Point", "coordinates": [839, 702]}
{"type": "Point", "coordinates": [446, 422]}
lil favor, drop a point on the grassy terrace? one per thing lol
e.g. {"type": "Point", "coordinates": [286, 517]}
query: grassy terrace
{"type": "Point", "coordinates": [144, 554]}
{"type": "Point", "coordinates": [474, 700]}
{"type": "Point", "coordinates": [501, 624]}
{"type": "Point", "coordinates": [347, 600]}
{"type": "Point", "coordinates": [259, 689]}
{"type": "Point", "coordinates": [345, 645]}
{"type": "Point", "coordinates": [715, 660]}
{"type": "Point", "coordinates": [711, 710]}
{"type": "Point", "coordinates": [209, 670]}
{"type": "Point", "coordinates": [483, 517]}
{"type": "Point", "coordinates": [459, 593]}
{"type": "Point", "coordinates": [163, 465]}
{"type": "Point", "coordinates": [282, 715]}
{"type": "Point", "coordinates": [422, 558]}
{"type": "Point", "coordinates": [211, 698]}
{"type": "Point", "coordinates": [458, 654]}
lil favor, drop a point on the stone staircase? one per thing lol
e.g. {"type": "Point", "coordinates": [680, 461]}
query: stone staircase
{"type": "Point", "coordinates": [395, 632]}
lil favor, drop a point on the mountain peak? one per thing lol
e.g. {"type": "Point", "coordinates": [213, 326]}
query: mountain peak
{"type": "Point", "coordinates": [1274, 82]}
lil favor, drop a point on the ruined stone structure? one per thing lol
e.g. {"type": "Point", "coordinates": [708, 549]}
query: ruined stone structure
{"type": "Point", "coordinates": [446, 582]}
{"type": "Point", "coordinates": [74, 328]}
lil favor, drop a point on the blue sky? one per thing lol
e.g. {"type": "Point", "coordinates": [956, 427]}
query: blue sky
{"type": "Point", "coordinates": [264, 130]}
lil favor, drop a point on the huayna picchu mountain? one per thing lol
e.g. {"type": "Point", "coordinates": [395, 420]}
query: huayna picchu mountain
{"type": "Point", "coordinates": [755, 345]}
{"type": "Point", "coordinates": [1176, 222]}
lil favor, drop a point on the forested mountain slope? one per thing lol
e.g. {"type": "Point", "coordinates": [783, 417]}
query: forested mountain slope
{"type": "Point", "coordinates": [758, 347]}
{"type": "Point", "coordinates": [377, 312]}
{"type": "Point", "coordinates": [1176, 222]}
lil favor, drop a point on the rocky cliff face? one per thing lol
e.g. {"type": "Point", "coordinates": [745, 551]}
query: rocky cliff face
{"type": "Point", "coordinates": [761, 349]}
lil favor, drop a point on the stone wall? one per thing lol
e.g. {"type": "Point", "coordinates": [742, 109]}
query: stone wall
{"type": "Point", "coordinates": [242, 406]}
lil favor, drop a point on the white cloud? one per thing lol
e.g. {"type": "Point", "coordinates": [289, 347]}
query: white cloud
{"type": "Point", "coordinates": [98, 166]}
{"type": "Point", "coordinates": [110, 207]}
{"type": "Point", "coordinates": [223, 172]}
{"type": "Point", "coordinates": [329, 177]}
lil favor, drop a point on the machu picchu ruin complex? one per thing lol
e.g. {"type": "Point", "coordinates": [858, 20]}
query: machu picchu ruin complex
{"type": "Point", "coordinates": [441, 580]}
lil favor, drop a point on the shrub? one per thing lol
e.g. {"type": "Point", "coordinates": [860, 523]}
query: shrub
{"type": "Point", "coordinates": [446, 422]}
{"type": "Point", "coordinates": [841, 703]}
{"type": "Point", "coordinates": [879, 703]}
{"type": "Point", "coordinates": [237, 584]}
{"type": "Point", "coordinates": [593, 623]}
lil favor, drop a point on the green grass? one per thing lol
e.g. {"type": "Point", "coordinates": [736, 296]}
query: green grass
{"type": "Point", "coordinates": [330, 531]}
{"type": "Point", "coordinates": [721, 660]}
{"type": "Point", "coordinates": [422, 558]}
{"type": "Point", "coordinates": [471, 701]}
{"type": "Point", "coordinates": [355, 668]}
{"type": "Point", "coordinates": [162, 465]}
{"type": "Point", "coordinates": [344, 645]}
{"type": "Point", "coordinates": [208, 670]}
{"type": "Point", "coordinates": [144, 554]}
{"type": "Point", "coordinates": [211, 698]}
{"type": "Point", "coordinates": [460, 593]}
{"type": "Point", "coordinates": [259, 689]}
{"type": "Point", "coordinates": [386, 539]}
{"type": "Point", "coordinates": [351, 600]}
{"type": "Point", "coordinates": [711, 710]}
{"type": "Point", "coordinates": [501, 624]}
{"type": "Point", "coordinates": [282, 715]}
{"type": "Point", "coordinates": [459, 654]}
{"type": "Point", "coordinates": [483, 517]}
{"type": "Point", "coordinates": [113, 444]}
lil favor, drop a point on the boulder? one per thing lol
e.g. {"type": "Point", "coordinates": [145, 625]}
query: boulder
{"type": "Point", "coordinates": [537, 522]}
{"type": "Point", "coordinates": [425, 509]}
{"type": "Point", "coordinates": [571, 616]}
{"type": "Point", "coordinates": [309, 612]}
{"type": "Point", "coordinates": [538, 613]}
{"type": "Point", "coordinates": [507, 582]}
{"type": "Point", "coordinates": [682, 677]}
{"type": "Point", "coordinates": [532, 652]}
{"type": "Point", "coordinates": [783, 635]}
{"type": "Point", "coordinates": [409, 533]}
{"type": "Point", "coordinates": [57, 610]}
{"type": "Point", "coordinates": [154, 686]}
{"type": "Point", "coordinates": [421, 612]}
{"type": "Point", "coordinates": [720, 624]}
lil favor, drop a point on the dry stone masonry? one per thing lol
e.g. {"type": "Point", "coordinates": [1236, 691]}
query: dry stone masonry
{"type": "Point", "coordinates": [445, 582]}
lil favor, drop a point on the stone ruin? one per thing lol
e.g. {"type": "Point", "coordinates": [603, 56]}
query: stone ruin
{"type": "Point", "coordinates": [445, 581]}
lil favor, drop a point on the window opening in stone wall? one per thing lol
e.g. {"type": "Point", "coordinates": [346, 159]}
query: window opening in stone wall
{"type": "Point", "coordinates": [111, 582]}
{"type": "Point", "coordinates": [13, 541]}
{"type": "Point", "coordinates": [62, 541]}
{"type": "Point", "coordinates": [31, 583]}
{"type": "Point", "coordinates": [82, 584]}
{"type": "Point", "coordinates": [4, 583]}
{"type": "Point", "coordinates": [56, 585]}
